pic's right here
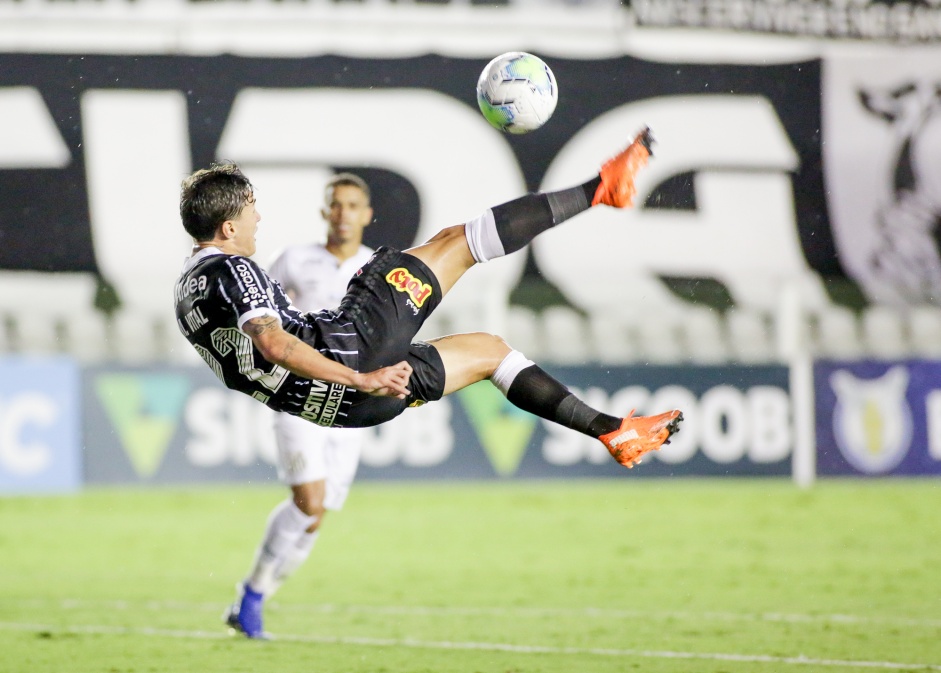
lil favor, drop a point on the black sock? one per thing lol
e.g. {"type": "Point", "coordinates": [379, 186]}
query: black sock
{"type": "Point", "coordinates": [521, 220]}
{"type": "Point", "coordinates": [533, 390]}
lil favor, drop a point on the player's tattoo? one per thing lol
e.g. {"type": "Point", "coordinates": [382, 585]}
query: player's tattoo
{"type": "Point", "coordinates": [258, 326]}
{"type": "Point", "coordinates": [290, 348]}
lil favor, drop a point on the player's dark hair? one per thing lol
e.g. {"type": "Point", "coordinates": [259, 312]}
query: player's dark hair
{"type": "Point", "coordinates": [210, 196]}
{"type": "Point", "coordinates": [348, 180]}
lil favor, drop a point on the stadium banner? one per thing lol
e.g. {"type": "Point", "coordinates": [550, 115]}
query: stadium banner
{"type": "Point", "coordinates": [758, 176]}
{"type": "Point", "coordinates": [737, 181]}
{"type": "Point", "coordinates": [906, 21]}
{"type": "Point", "coordinates": [172, 425]}
{"type": "Point", "coordinates": [40, 449]}
{"type": "Point", "coordinates": [179, 425]}
{"type": "Point", "coordinates": [878, 418]}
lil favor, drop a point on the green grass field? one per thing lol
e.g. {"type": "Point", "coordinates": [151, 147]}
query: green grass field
{"type": "Point", "coordinates": [679, 576]}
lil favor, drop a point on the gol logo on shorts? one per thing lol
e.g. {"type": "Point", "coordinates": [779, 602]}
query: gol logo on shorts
{"type": "Point", "coordinates": [403, 281]}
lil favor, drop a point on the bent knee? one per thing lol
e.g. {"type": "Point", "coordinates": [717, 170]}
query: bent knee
{"type": "Point", "coordinates": [309, 498]}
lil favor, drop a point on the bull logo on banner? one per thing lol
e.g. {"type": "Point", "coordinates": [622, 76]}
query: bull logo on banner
{"type": "Point", "coordinates": [909, 219]}
{"type": "Point", "coordinates": [882, 122]}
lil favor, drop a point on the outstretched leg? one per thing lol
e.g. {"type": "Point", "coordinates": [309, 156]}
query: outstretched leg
{"type": "Point", "coordinates": [469, 358]}
{"type": "Point", "coordinates": [508, 227]}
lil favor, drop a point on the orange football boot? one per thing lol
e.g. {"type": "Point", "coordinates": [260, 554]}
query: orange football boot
{"type": "Point", "coordinates": [641, 435]}
{"type": "Point", "coordinates": [617, 175]}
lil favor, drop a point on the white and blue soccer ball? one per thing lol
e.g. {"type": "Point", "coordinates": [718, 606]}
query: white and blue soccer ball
{"type": "Point", "coordinates": [517, 92]}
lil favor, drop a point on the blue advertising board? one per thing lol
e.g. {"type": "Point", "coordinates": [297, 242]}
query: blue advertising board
{"type": "Point", "coordinates": [878, 418]}
{"type": "Point", "coordinates": [39, 426]}
{"type": "Point", "coordinates": [738, 422]}
{"type": "Point", "coordinates": [172, 425]}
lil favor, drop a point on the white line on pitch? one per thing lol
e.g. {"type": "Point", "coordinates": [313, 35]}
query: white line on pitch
{"type": "Point", "coordinates": [486, 647]}
{"type": "Point", "coordinates": [425, 610]}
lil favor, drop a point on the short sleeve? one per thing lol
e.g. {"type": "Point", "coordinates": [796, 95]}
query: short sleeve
{"type": "Point", "coordinates": [247, 289]}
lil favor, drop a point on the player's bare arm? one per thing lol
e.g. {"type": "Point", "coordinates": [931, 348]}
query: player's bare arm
{"type": "Point", "coordinates": [283, 349]}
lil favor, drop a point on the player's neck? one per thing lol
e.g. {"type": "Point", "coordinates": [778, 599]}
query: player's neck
{"type": "Point", "coordinates": [220, 245]}
{"type": "Point", "coordinates": [342, 250]}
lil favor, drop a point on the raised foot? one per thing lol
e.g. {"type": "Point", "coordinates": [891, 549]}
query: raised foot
{"type": "Point", "coordinates": [639, 435]}
{"type": "Point", "coordinates": [617, 187]}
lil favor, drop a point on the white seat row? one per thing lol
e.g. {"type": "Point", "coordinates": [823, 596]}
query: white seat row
{"type": "Point", "coordinates": [128, 337]}
{"type": "Point", "coordinates": [698, 334]}
{"type": "Point", "coordinates": [704, 336]}
{"type": "Point", "coordinates": [558, 335]}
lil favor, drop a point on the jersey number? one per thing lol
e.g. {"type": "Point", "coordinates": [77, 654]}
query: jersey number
{"type": "Point", "coordinates": [227, 339]}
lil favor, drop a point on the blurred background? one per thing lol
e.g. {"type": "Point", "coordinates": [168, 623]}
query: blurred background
{"type": "Point", "coordinates": [780, 279]}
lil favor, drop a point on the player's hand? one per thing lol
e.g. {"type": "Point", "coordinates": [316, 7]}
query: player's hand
{"type": "Point", "coordinates": [386, 382]}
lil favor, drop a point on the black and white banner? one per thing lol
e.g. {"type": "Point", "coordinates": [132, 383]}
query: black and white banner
{"type": "Point", "coordinates": [896, 20]}
{"type": "Point", "coordinates": [94, 148]}
{"type": "Point", "coordinates": [810, 171]}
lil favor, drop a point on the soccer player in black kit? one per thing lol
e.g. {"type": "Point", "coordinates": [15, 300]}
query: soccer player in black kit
{"type": "Point", "coordinates": [356, 365]}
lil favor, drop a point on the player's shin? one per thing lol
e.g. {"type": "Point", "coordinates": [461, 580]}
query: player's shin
{"type": "Point", "coordinates": [286, 526]}
{"type": "Point", "coordinates": [627, 439]}
{"type": "Point", "coordinates": [530, 388]}
{"type": "Point", "coordinates": [508, 227]}
{"type": "Point", "coordinates": [292, 560]}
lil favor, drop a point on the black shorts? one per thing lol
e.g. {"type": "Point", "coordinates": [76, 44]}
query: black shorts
{"type": "Point", "coordinates": [386, 303]}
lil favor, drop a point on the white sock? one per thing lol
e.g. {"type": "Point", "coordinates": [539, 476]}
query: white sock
{"type": "Point", "coordinates": [293, 560]}
{"type": "Point", "coordinates": [286, 525]}
{"type": "Point", "coordinates": [482, 238]}
{"type": "Point", "coordinates": [506, 371]}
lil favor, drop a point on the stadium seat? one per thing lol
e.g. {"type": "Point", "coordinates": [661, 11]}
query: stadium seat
{"type": "Point", "coordinates": [750, 336]}
{"type": "Point", "coordinates": [612, 338]}
{"type": "Point", "coordinates": [565, 336]}
{"type": "Point", "coordinates": [177, 349]}
{"type": "Point", "coordinates": [924, 328]}
{"type": "Point", "coordinates": [704, 335]}
{"type": "Point", "coordinates": [39, 333]}
{"type": "Point", "coordinates": [884, 332]}
{"type": "Point", "coordinates": [6, 334]}
{"type": "Point", "coordinates": [659, 338]}
{"type": "Point", "coordinates": [836, 334]}
{"type": "Point", "coordinates": [523, 332]}
{"type": "Point", "coordinates": [87, 337]}
{"type": "Point", "coordinates": [136, 337]}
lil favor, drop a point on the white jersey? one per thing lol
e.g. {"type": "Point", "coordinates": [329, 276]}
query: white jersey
{"type": "Point", "coordinates": [313, 276]}
{"type": "Point", "coordinates": [307, 452]}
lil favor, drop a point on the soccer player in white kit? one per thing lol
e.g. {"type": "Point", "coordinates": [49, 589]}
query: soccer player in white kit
{"type": "Point", "coordinates": [317, 463]}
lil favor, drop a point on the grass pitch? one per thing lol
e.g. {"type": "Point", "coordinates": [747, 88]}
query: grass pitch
{"type": "Point", "coordinates": [680, 576]}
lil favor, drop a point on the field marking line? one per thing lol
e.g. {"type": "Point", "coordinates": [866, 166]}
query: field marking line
{"type": "Point", "coordinates": [421, 610]}
{"type": "Point", "coordinates": [488, 647]}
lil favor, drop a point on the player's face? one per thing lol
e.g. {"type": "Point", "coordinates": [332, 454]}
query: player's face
{"type": "Point", "coordinates": [246, 225]}
{"type": "Point", "coordinates": [347, 213]}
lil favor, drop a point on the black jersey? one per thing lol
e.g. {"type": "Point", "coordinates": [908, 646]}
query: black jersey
{"type": "Point", "coordinates": [217, 293]}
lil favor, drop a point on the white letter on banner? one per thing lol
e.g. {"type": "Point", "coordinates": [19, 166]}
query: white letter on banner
{"type": "Point", "coordinates": [29, 137]}
{"type": "Point", "coordinates": [18, 457]}
{"type": "Point", "coordinates": [769, 413]}
{"type": "Point", "coordinates": [458, 164]}
{"type": "Point", "coordinates": [724, 424]}
{"type": "Point", "coordinates": [136, 152]}
{"type": "Point", "coordinates": [933, 419]}
{"type": "Point", "coordinates": [206, 422]}
{"type": "Point", "coordinates": [743, 231]}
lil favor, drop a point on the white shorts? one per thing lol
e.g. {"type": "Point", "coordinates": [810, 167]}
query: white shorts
{"type": "Point", "coordinates": [308, 452]}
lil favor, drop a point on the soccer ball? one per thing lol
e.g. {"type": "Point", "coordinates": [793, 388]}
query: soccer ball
{"type": "Point", "coordinates": [517, 92]}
